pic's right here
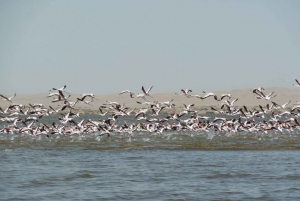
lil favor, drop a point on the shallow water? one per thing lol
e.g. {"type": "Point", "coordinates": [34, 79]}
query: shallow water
{"type": "Point", "coordinates": [146, 141]}
{"type": "Point", "coordinates": [172, 140]}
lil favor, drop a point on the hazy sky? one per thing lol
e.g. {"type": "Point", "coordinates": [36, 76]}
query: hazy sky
{"type": "Point", "coordinates": [104, 47]}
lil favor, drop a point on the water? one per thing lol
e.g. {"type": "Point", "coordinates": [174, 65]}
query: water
{"type": "Point", "coordinates": [170, 166]}
{"type": "Point", "coordinates": [81, 174]}
{"type": "Point", "coordinates": [175, 140]}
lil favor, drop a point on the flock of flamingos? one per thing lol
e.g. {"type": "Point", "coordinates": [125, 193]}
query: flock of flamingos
{"type": "Point", "coordinates": [228, 118]}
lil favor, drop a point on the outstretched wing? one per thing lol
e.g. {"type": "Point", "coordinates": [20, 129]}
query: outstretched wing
{"type": "Point", "coordinates": [143, 90]}
{"type": "Point", "coordinates": [149, 90]}
{"type": "Point", "coordinates": [3, 97]}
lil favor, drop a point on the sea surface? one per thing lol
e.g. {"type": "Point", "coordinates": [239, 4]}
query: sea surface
{"type": "Point", "coordinates": [170, 166]}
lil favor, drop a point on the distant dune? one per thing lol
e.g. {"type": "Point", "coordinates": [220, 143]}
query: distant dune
{"type": "Point", "coordinates": [245, 97]}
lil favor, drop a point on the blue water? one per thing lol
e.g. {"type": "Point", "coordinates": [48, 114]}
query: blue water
{"type": "Point", "coordinates": [78, 173]}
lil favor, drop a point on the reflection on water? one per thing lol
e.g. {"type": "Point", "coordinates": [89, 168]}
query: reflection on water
{"type": "Point", "coordinates": [142, 140]}
{"type": "Point", "coordinates": [175, 140]}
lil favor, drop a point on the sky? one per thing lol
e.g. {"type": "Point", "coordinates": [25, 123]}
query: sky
{"type": "Point", "coordinates": [104, 47]}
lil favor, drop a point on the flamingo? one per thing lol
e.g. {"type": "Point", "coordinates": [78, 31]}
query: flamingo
{"type": "Point", "coordinates": [209, 95]}
{"type": "Point", "coordinates": [147, 92]}
{"type": "Point", "coordinates": [8, 99]}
